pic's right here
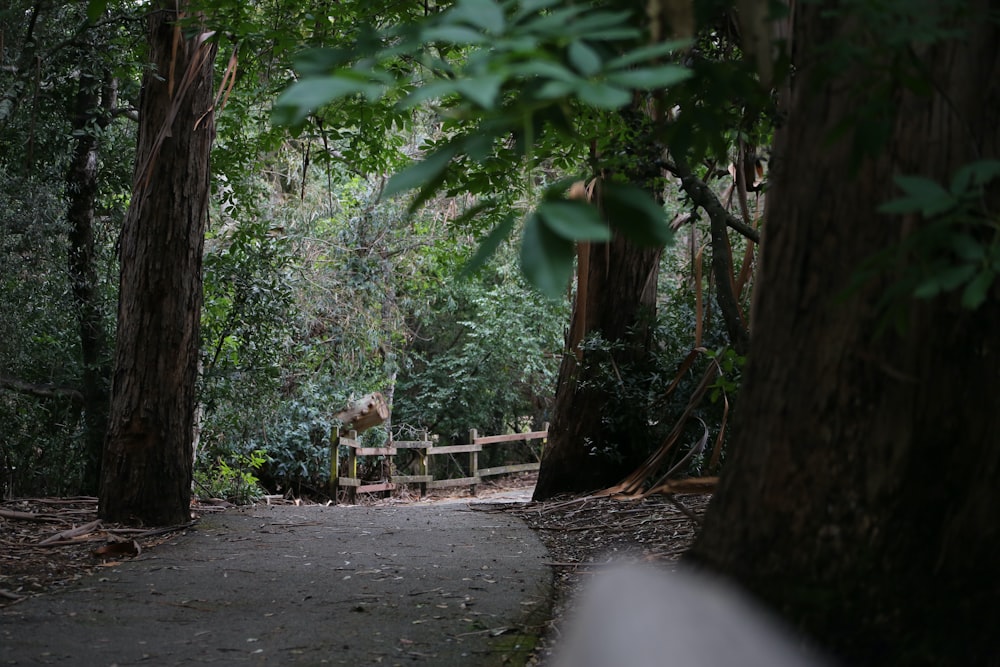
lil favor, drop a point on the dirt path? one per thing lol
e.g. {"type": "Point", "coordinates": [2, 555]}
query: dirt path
{"type": "Point", "coordinates": [433, 584]}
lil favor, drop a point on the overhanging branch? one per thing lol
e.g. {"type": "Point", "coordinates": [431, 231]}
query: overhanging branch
{"type": "Point", "coordinates": [722, 260]}
{"type": "Point", "coordinates": [42, 390]}
{"type": "Point", "coordinates": [703, 196]}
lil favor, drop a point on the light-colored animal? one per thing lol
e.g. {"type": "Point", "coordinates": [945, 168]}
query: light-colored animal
{"type": "Point", "coordinates": [641, 616]}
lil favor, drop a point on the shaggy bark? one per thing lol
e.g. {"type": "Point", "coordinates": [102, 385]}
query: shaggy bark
{"type": "Point", "coordinates": [616, 298]}
{"type": "Point", "coordinates": [860, 496]}
{"type": "Point", "coordinates": [147, 466]}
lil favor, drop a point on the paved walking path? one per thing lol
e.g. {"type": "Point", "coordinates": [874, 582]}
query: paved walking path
{"type": "Point", "coordinates": [429, 583]}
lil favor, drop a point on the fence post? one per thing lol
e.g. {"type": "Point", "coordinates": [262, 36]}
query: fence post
{"type": "Point", "coordinates": [334, 462]}
{"type": "Point", "coordinates": [352, 466]}
{"type": "Point", "coordinates": [473, 460]}
{"type": "Point", "coordinates": [422, 468]}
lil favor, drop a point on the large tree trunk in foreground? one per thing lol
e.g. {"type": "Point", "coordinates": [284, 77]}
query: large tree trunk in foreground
{"type": "Point", "coordinates": [146, 474]}
{"type": "Point", "coordinates": [861, 498]}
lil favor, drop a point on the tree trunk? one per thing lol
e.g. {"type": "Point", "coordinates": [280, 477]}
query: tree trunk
{"type": "Point", "coordinates": [146, 473]}
{"type": "Point", "coordinates": [617, 301]}
{"type": "Point", "coordinates": [81, 186]}
{"type": "Point", "coordinates": [861, 495]}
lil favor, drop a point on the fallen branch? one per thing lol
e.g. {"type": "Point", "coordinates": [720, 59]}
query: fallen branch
{"type": "Point", "coordinates": [632, 485]}
{"type": "Point", "coordinates": [141, 533]}
{"type": "Point", "coordinates": [68, 500]}
{"type": "Point", "coordinates": [71, 533]}
{"type": "Point", "coordinates": [27, 516]}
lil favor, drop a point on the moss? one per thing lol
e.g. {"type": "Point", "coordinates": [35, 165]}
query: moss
{"type": "Point", "coordinates": [517, 646]}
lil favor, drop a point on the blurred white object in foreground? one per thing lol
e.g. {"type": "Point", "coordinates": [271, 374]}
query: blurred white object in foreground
{"type": "Point", "coordinates": [635, 616]}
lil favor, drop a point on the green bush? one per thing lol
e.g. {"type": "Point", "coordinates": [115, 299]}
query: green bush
{"type": "Point", "coordinates": [234, 481]}
{"type": "Point", "coordinates": [486, 358]}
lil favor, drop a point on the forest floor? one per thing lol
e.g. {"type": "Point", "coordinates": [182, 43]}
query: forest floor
{"type": "Point", "coordinates": [49, 544]}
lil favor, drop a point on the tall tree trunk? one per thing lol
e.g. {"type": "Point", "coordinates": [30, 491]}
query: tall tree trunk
{"type": "Point", "coordinates": [81, 185]}
{"type": "Point", "coordinates": [584, 451]}
{"type": "Point", "coordinates": [861, 495]}
{"type": "Point", "coordinates": [146, 473]}
{"type": "Point", "coordinates": [595, 438]}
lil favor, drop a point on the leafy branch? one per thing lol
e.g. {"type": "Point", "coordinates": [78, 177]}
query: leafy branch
{"type": "Point", "coordinates": [960, 248]}
{"type": "Point", "coordinates": [504, 74]}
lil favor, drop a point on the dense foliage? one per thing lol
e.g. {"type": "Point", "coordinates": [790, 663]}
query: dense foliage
{"type": "Point", "coordinates": [320, 285]}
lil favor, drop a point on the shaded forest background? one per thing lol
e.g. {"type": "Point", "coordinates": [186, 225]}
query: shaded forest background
{"type": "Point", "coordinates": [317, 289]}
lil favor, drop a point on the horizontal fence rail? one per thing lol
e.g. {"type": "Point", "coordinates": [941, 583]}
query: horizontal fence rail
{"type": "Point", "coordinates": [347, 477]}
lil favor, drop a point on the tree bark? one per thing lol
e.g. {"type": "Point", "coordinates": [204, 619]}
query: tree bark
{"type": "Point", "coordinates": [147, 466]}
{"type": "Point", "coordinates": [616, 298]}
{"type": "Point", "coordinates": [722, 257]}
{"type": "Point", "coordinates": [91, 110]}
{"type": "Point", "coordinates": [860, 497]}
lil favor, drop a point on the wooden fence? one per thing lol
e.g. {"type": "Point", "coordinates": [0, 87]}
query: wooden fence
{"type": "Point", "coordinates": [347, 478]}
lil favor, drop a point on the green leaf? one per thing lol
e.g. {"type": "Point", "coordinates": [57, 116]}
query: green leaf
{"type": "Point", "coordinates": [976, 291]}
{"type": "Point", "coordinates": [543, 68]}
{"type": "Point", "coordinates": [633, 211]}
{"type": "Point", "coordinates": [307, 95]}
{"type": "Point", "coordinates": [426, 171]}
{"type": "Point", "coordinates": [927, 205]}
{"type": "Point", "coordinates": [528, 8]}
{"type": "Point", "coordinates": [603, 25]}
{"type": "Point", "coordinates": [917, 186]}
{"type": "Point", "coordinates": [546, 258]}
{"type": "Point", "coordinates": [320, 61]}
{"type": "Point", "coordinates": [428, 190]}
{"type": "Point", "coordinates": [574, 220]}
{"type": "Point", "coordinates": [954, 276]}
{"type": "Point", "coordinates": [488, 246]}
{"type": "Point", "coordinates": [473, 212]}
{"type": "Point", "coordinates": [584, 59]}
{"type": "Point", "coordinates": [555, 89]}
{"type": "Point", "coordinates": [485, 14]}
{"type": "Point", "coordinates": [925, 195]}
{"type": "Point", "coordinates": [974, 174]}
{"type": "Point", "coordinates": [523, 45]}
{"type": "Point", "coordinates": [610, 34]}
{"type": "Point", "coordinates": [95, 10]}
{"type": "Point", "coordinates": [645, 53]}
{"type": "Point", "coordinates": [650, 77]}
{"type": "Point", "coordinates": [602, 95]}
{"type": "Point", "coordinates": [435, 90]}
{"type": "Point", "coordinates": [453, 34]}
{"type": "Point", "coordinates": [944, 281]}
{"type": "Point", "coordinates": [553, 24]}
{"type": "Point", "coordinates": [482, 90]}
{"type": "Point", "coordinates": [479, 145]}
{"type": "Point", "coordinates": [927, 289]}
{"type": "Point", "coordinates": [556, 190]}
{"type": "Point", "coordinates": [967, 247]}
